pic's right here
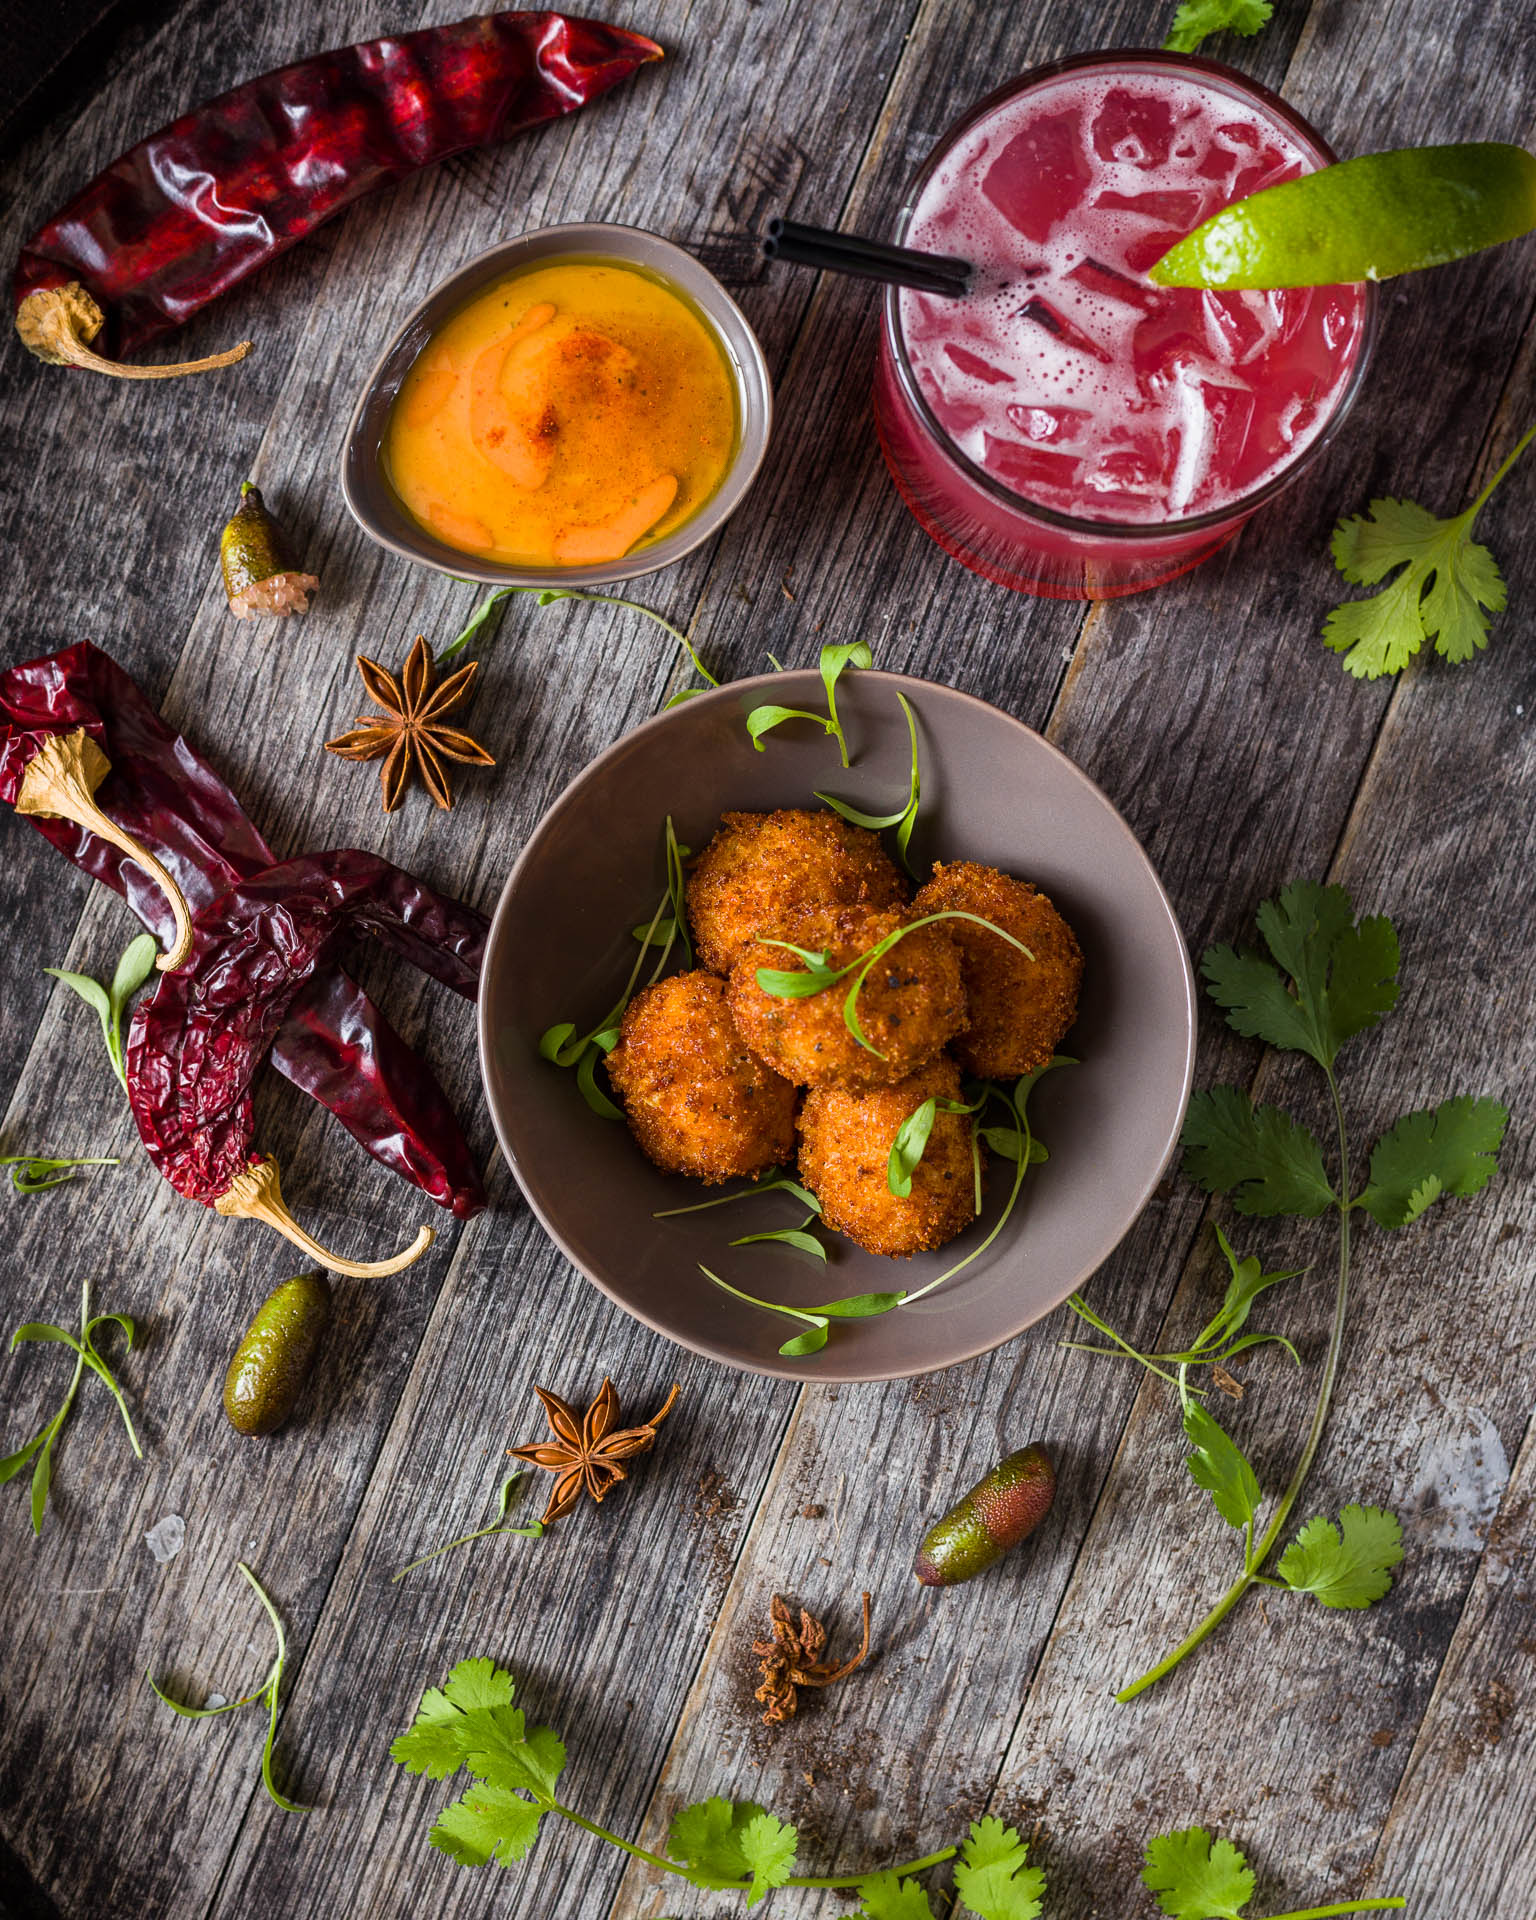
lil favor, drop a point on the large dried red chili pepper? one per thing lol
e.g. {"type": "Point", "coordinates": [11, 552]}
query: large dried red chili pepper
{"type": "Point", "coordinates": [335, 1044]}
{"type": "Point", "coordinates": [188, 213]}
{"type": "Point", "coordinates": [196, 1042]}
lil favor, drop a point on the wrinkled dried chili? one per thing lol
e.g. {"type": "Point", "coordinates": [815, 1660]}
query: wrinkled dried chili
{"type": "Point", "coordinates": [189, 212]}
{"type": "Point", "coordinates": [197, 1041]}
{"type": "Point", "coordinates": [335, 1044]}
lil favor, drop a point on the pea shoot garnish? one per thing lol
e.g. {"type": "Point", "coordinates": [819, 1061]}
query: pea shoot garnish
{"type": "Point", "coordinates": [1012, 1138]}
{"type": "Point", "coordinates": [32, 1173]}
{"type": "Point", "coordinates": [111, 1001]}
{"type": "Point", "coordinates": [818, 974]}
{"type": "Point", "coordinates": [667, 927]}
{"type": "Point", "coordinates": [905, 817]}
{"type": "Point", "coordinates": [503, 1500]}
{"type": "Point", "coordinates": [482, 621]}
{"type": "Point", "coordinates": [834, 662]}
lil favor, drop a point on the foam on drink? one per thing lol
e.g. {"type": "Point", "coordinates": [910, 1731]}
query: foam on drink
{"type": "Point", "coordinates": [1066, 374]}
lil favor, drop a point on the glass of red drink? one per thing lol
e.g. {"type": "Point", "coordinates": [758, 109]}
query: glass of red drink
{"type": "Point", "coordinates": [1067, 428]}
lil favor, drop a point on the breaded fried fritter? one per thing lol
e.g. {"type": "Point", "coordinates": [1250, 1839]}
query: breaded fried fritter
{"type": "Point", "coordinates": [696, 1100]}
{"type": "Point", "coordinates": [1018, 1009]}
{"type": "Point", "coordinates": [760, 865]}
{"type": "Point", "coordinates": [911, 1003]}
{"type": "Point", "coordinates": [845, 1146]}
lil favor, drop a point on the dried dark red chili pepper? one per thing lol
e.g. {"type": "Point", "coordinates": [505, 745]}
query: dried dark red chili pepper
{"type": "Point", "coordinates": [335, 1044]}
{"type": "Point", "coordinates": [196, 1042]}
{"type": "Point", "coordinates": [188, 213]}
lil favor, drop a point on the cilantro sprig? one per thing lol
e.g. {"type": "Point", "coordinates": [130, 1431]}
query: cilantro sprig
{"type": "Point", "coordinates": [470, 1725]}
{"type": "Point", "coordinates": [1196, 20]}
{"type": "Point", "coordinates": [1448, 586]}
{"type": "Point", "coordinates": [266, 1694]}
{"type": "Point", "coordinates": [1198, 1878]}
{"type": "Point", "coordinates": [39, 1450]}
{"type": "Point", "coordinates": [111, 1001]}
{"type": "Point", "coordinates": [1326, 979]}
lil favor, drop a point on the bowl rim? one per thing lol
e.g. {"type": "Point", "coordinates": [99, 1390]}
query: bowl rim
{"type": "Point", "coordinates": [832, 1369]}
{"type": "Point", "coordinates": [615, 240]}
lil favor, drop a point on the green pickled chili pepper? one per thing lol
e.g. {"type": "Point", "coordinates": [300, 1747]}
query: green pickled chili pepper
{"type": "Point", "coordinates": [273, 1361]}
{"type": "Point", "coordinates": [261, 570]}
{"type": "Point", "coordinates": [1003, 1508]}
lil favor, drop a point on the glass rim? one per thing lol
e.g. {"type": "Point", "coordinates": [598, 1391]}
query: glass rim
{"type": "Point", "coordinates": [1212, 517]}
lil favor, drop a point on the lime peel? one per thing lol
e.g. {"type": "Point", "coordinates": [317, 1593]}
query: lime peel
{"type": "Point", "coordinates": [1365, 219]}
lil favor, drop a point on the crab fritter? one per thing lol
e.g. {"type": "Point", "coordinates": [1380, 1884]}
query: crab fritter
{"type": "Point", "coordinates": [696, 1100]}
{"type": "Point", "coordinates": [761, 865]}
{"type": "Point", "coordinates": [911, 1003]}
{"type": "Point", "coordinates": [845, 1147]}
{"type": "Point", "coordinates": [1019, 1009]}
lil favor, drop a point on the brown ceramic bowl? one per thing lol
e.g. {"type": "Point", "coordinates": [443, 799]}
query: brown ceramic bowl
{"type": "Point", "coordinates": [993, 791]}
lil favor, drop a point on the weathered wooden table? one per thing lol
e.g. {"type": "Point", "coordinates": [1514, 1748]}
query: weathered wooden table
{"type": "Point", "coordinates": [1387, 1751]}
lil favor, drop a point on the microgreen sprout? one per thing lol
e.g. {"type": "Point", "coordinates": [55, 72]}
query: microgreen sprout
{"type": "Point", "coordinates": [503, 1500]}
{"type": "Point", "coordinates": [481, 623]}
{"type": "Point", "coordinates": [905, 817]}
{"type": "Point", "coordinates": [912, 1138]}
{"type": "Point", "coordinates": [561, 1045]}
{"type": "Point", "coordinates": [32, 1173]}
{"type": "Point", "coordinates": [771, 1183]}
{"type": "Point", "coordinates": [1021, 1147]}
{"type": "Point", "coordinates": [834, 662]}
{"type": "Point", "coordinates": [267, 1693]}
{"type": "Point", "coordinates": [133, 969]}
{"type": "Point", "coordinates": [40, 1450]}
{"type": "Point", "coordinates": [818, 973]}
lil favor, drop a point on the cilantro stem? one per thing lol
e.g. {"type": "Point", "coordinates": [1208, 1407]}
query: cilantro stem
{"type": "Point", "coordinates": [1394, 1905]}
{"type": "Point", "coordinates": [1255, 1559]}
{"type": "Point", "coordinates": [1482, 499]}
{"type": "Point", "coordinates": [912, 1866]}
{"type": "Point", "coordinates": [658, 1860]}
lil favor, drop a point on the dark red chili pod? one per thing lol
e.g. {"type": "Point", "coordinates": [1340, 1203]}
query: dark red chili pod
{"type": "Point", "coordinates": [188, 213]}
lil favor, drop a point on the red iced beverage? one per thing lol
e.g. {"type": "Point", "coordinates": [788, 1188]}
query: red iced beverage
{"type": "Point", "coordinates": [1068, 428]}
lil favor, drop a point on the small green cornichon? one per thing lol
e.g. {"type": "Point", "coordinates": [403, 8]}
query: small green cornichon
{"type": "Point", "coordinates": [1003, 1508]}
{"type": "Point", "coordinates": [273, 1361]}
{"type": "Point", "coordinates": [261, 571]}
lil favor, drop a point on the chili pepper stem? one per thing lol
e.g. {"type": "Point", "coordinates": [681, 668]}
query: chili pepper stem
{"type": "Point", "coordinates": [56, 322]}
{"type": "Point", "coordinates": [60, 782]}
{"type": "Point", "coordinates": [256, 1194]}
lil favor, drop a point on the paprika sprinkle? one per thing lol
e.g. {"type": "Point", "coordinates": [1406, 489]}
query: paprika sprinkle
{"type": "Point", "coordinates": [188, 213]}
{"type": "Point", "coordinates": [196, 1043]}
{"type": "Point", "coordinates": [335, 1044]}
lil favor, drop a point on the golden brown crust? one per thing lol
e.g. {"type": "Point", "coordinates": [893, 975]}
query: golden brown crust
{"type": "Point", "coordinates": [760, 865]}
{"type": "Point", "coordinates": [696, 1100]}
{"type": "Point", "coordinates": [1019, 1009]}
{"type": "Point", "coordinates": [911, 1003]}
{"type": "Point", "coordinates": [845, 1146]}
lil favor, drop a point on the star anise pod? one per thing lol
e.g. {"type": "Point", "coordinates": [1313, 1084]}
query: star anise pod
{"type": "Point", "coordinates": [409, 730]}
{"type": "Point", "coordinates": [792, 1659]}
{"type": "Point", "coordinates": [586, 1452]}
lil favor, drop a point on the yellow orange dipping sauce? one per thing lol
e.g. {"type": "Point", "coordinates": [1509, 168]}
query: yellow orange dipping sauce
{"type": "Point", "coordinates": [568, 414]}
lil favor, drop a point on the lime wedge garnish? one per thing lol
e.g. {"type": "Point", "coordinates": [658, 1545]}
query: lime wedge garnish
{"type": "Point", "coordinates": [1364, 219]}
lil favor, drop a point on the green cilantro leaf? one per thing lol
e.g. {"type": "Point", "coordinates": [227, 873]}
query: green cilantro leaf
{"type": "Point", "coordinates": [884, 1897]}
{"type": "Point", "coordinates": [706, 1837]}
{"type": "Point", "coordinates": [488, 1823]}
{"type": "Point", "coordinates": [991, 1876]}
{"type": "Point", "coordinates": [1197, 19]}
{"type": "Point", "coordinates": [768, 1846]}
{"type": "Point", "coordinates": [1344, 974]}
{"type": "Point", "coordinates": [1196, 1878]}
{"type": "Point", "coordinates": [1447, 582]}
{"type": "Point", "coordinates": [497, 1748]}
{"type": "Point", "coordinates": [477, 1683]}
{"type": "Point", "coordinates": [1446, 1150]}
{"type": "Point", "coordinates": [1261, 1156]}
{"type": "Point", "coordinates": [1347, 1571]}
{"type": "Point", "coordinates": [1219, 1465]}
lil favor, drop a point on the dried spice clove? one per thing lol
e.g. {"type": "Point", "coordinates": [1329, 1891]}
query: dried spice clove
{"type": "Point", "coordinates": [409, 731]}
{"type": "Point", "coordinates": [586, 1451]}
{"type": "Point", "coordinates": [792, 1659]}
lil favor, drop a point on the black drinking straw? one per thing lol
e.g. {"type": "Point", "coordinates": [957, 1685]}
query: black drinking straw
{"type": "Point", "coordinates": [850, 253]}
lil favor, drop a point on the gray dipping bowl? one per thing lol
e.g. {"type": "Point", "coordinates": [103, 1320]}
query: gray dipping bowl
{"type": "Point", "coordinates": [381, 514]}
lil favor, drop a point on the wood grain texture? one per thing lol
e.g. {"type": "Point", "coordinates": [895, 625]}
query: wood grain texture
{"type": "Point", "coordinates": [1241, 755]}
